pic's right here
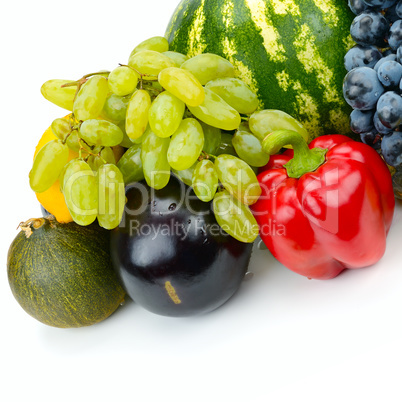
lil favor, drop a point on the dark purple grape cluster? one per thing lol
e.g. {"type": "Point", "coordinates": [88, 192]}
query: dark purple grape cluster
{"type": "Point", "coordinates": [373, 83]}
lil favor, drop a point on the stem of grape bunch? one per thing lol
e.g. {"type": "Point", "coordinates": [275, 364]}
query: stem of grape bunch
{"type": "Point", "coordinates": [98, 154]}
{"type": "Point", "coordinates": [142, 75]}
{"type": "Point", "coordinates": [79, 83]}
{"type": "Point", "coordinates": [205, 155]}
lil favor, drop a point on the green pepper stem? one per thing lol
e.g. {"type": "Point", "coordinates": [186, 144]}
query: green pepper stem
{"type": "Point", "coordinates": [304, 160]}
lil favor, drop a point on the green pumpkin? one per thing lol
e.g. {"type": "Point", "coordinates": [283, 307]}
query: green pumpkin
{"type": "Point", "coordinates": [61, 273]}
{"type": "Point", "coordinates": [290, 52]}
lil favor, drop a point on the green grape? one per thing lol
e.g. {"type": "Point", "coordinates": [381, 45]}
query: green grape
{"type": "Point", "coordinates": [216, 112]}
{"type": "Point", "coordinates": [249, 148]}
{"type": "Point", "coordinates": [154, 160]}
{"type": "Point", "coordinates": [154, 86]}
{"type": "Point", "coordinates": [126, 142]}
{"type": "Point", "coordinates": [149, 63]}
{"type": "Point", "coordinates": [212, 138]}
{"type": "Point", "coordinates": [47, 165]}
{"type": "Point", "coordinates": [61, 128]}
{"type": "Point", "coordinates": [178, 58]}
{"type": "Point", "coordinates": [235, 93]}
{"type": "Point", "coordinates": [53, 91]}
{"type": "Point", "coordinates": [137, 141]}
{"type": "Point", "coordinates": [234, 217]}
{"type": "Point", "coordinates": [112, 196]}
{"type": "Point", "coordinates": [205, 180]}
{"type": "Point", "coordinates": [183, 85]}
{"type": "Point", "coordinates": [100, 132]}
{"type": "Point", "coordinates": [166, 114]}
{"type": "Point", "coordinates": [91, 97]}
{"type": "Point", "coordinates": [186, 175]}
{"type": "Point", "coordinates": [186, 144]}
{"type": "Point", "coordinates": [207, 66]}
{"type": "Point", "coordinates": [244, 126]}
{"type": "Point", "coordinates": [71, 168]}
{"type": "Point", "coordinates": [137, 114]}
{"type": "Point", "coordinates": [266, 121]}
{"type": "Point", "coordinates": [226, 146]}
{"type": "Point", "coordinates": [105, 155]}
{"type": "Point", "coordinates": [156, 43]}
{"type": "Point", "coordinates": [130, 164]}
{"type": "Point", "coordinates": [238, 178]}
{"type": "Point", "coordinates": [123, 80]}
{"type": "Point", "coordinates": [80, 191]}
{"type": "Point", "coordinates": [73, 141]}
{"type": "Point", "coordinates": [62, 174]}
{"type": "Point", "coordinates": [115, 108]}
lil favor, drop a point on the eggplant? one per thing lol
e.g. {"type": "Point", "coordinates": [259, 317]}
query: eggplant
{"type": "Point", "coordinates": [171, 255]}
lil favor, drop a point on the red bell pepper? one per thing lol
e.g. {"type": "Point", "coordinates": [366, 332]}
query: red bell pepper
{"type": "Point", "coordinates": [324, 207]}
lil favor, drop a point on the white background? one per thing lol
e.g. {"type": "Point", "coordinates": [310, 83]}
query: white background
{"type": "Point", "coordinates": [281, 338]}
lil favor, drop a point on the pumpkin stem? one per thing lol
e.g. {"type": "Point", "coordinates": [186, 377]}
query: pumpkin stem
{"type": "Point", "coordinates": [33, 223]}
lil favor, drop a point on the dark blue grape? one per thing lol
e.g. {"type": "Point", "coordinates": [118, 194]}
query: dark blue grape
{"type": "Point", "coordinates": [361, 121]}
{"type": "Point", "coordinates": [387, 52]}
{"type": "Point", "coordinates": [391, 15]}
{"type": "Point", "coordinates": [391, 148]}
{"type": "Point", "coordinates": [399, 55]}
{"type": "Point", "coordinates": [372, 138]}
{"type": "Point", "coordinates": [379, 126]}
{"type": "Point", "coordinates": [390, 74]}
{"type": "Point", "coordinates": [391, 56]}
{"type": "Point", "coordinates": [361, 56]}
{"type": "Point", "coordinates": [373, 84]}
{"type": "Point", "coordinates": [398, 8]}
{"type": "Point", "coordinates": [361, 88]}
{"type": "Point", "coordinates": [358, 6]}
{"type": "Point", "coordinates": [397, 183]}
{"type": "Point", "coordinates": [380, 3]}
{"type": "Point", "coordinates": [389, 109]}
{"type": "Point", "coordinates": [369, 28]}
{"type": "Point", "coordinates": [395, 35]}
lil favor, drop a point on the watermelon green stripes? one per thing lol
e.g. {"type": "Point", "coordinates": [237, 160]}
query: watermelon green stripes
{"type": "Point", "coordinates": [289, 51]}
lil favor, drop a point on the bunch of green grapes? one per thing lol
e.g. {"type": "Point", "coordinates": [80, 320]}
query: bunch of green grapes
{"type": "Point", "coordinates": [92, 184]}
{"type": "Point", "coordinates": [172, 113]}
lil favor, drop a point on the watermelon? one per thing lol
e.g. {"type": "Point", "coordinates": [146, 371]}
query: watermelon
{"type": "Point", "coordinates": [290, 52]}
